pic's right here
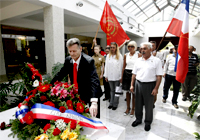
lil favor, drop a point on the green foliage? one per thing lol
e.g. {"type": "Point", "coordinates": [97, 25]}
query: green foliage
{"type": "Point", "coordinates": [56, 68]}
{"type": "Point", "coordinates": [195, 95]}
{"type": "Point", "coordinates": [197, 136]}
{"type": "Point", "coordinates": [24, 132]}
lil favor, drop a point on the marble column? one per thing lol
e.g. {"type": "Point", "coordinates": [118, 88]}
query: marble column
{"type": "Point", "coordinates": [54, 36]}
{"type": "Point", "coordinates": [2, 60]}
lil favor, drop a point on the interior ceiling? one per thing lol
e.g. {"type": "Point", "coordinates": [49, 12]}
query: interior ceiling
{"type": "Point", "coordinates": [69, 21]}
{"type": "Point", "coordinates": [145, 9]}
{"type": "Point", "coordinates": [4, 3]}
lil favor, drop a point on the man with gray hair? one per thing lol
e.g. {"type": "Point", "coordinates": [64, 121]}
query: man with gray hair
{"type": "Point", "coordinates": [82, 73]}
{"type": "Point", "coordinates": [146, 78]}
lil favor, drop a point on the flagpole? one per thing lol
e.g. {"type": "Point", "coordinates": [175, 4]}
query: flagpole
{"type": "Point", "coordinates": [95, 36]}
{"type": "Point", "coordinates": [161, 40]}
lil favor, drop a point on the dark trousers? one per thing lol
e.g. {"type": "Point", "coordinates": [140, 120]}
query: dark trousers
{"type": "Point", "coordinates": [169, 79]}
{"type": "Point", "coordinates": [143, 97]}
{"type": "Point", "coordinates": [188, 85]}
{"type": "Point", "coordinates": [106, 89]}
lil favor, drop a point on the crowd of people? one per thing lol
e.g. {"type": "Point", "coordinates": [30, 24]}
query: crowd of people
{"type": "Point", "coordinates": [139, 72]}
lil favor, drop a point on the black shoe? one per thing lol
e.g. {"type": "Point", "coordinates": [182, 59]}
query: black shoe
{"type": "Point", "coordinates": [184, 98]}
{"type": "Point", "coordinates": [114, 108]}
{"type": "Point", "coordinates": [136, 123]}
{"type": "Point", "coordinates": [104, 99]}
{"type": "Point", "coordinates": [147, 127]}
{"type": "Point", "coordinates": [110, 107]}
{"type": "Point", "coordinates": [125, 99]}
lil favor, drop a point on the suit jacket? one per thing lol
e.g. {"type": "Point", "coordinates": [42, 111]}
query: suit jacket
{"type": "Point", "coordinates": [87, 78]}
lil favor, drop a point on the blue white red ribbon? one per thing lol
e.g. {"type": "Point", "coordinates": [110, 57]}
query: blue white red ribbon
{"type": "Point", "coordinates": [21, 112]}
{"type": "Point", "coordinates": [41, 111]}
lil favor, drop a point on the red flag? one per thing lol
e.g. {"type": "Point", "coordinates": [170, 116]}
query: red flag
{"type": "Point", "coordinates": [111, 27]}
{"type": "Point", "coordinates": [179, 26]}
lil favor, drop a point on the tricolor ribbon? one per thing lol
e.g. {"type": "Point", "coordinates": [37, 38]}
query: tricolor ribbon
{"type": "Point", "coordinates": [41, 111]}
{"type": "Point", "coordinates": [21, 112]}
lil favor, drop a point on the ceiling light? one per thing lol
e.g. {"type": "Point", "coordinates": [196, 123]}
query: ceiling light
{"type": "Point", "coordinates": [80, 4]}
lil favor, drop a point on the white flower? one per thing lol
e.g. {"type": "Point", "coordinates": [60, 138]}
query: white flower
{"type": "Point", "coordinates": [35, 83]}
{"type": "Point", "coordinates": [60, 124]}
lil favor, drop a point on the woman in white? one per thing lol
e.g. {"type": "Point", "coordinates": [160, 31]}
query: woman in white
{"type": "Point", "coordinates": [129, 61]}
{"type": "Point", "coordinates": [113, 71]}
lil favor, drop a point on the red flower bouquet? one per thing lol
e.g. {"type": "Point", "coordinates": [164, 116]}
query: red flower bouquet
{"type": "Point", "coordinates": [44, 108]}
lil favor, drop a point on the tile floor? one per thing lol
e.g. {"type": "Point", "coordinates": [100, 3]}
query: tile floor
{"type": "Point", "coordinates": [168, 124]}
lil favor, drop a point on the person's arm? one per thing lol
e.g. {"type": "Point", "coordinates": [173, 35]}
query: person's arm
{"type": "Point", "coordinates": [166, 66]}
{"type": "Point", "coordinates": [132, 83]}
{"type": "Point", "coordinates": [197, 62]}
{"type": "Point", "coordinates": [123, 68]}
{"type": "Point", "coordinates": [159, 73]}
{"type": "Point", "coordinates": [106, 69]}
{"type": "Point", "coordinates": [123, 44]}
{"type": "Point", "coordinates": [102, 70]}
{"type": "Point", "coordinates": [158, 80]}
{"type": "Point", "coordinates": [95, 89]}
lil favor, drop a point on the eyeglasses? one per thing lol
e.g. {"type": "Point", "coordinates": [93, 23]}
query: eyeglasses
{"type": "Point", "coordinates": [131, 46]}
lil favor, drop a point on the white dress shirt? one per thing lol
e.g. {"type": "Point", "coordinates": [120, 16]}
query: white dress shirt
{"type": "Point", "coordinates": [113, 68]}
{"type": "Point", "coordinates": [77, 61]}
{"type": "Point", "coordinates": [165, 53]}
{"type": "Point", "coordinates": [147, 70]}
{"type": "Point", "coordinates": [170, 65]}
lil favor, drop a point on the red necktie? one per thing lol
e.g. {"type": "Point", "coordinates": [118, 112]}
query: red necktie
{"type": "Point", "coordinates": [75, 75]}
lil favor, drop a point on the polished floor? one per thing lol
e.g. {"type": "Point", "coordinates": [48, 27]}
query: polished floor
{"type": "Point", "coordinates": [168, 123]}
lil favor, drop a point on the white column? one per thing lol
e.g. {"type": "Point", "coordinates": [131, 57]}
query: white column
{"type": "Point", "coordinates": [2, 60]}
{"type": "Point", "coordinates": [54, 36]}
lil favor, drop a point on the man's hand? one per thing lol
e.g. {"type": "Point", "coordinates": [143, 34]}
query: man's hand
{"type": "Point", "coordinates": [154, 92]}
{"type": "Point", "coordinates": [93, 109]}
{"type": "Point", "coordinates": [164, 75]}
{"type": "Point", "coordinates": [132, 89]}
{"type": "Point", "coordinates": [106, 79]}
{"type": "Point", "coordinates": [101, 76]}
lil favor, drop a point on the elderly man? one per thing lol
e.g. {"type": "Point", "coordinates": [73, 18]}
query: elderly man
{"type": "Point", "coordinates": [191, 78]}
{"type": "Point", "coordinates": [82, 74]}
{"type": "Point", "coordinates": [146, 78]}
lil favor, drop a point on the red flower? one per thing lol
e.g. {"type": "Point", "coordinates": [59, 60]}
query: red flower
{"type": "Point", "coordinates": [29, 117]}
{"type": "Point", "coordinates": [43, 98]}
{"type": "Point", "coordinates": [27, 100]}
{"type": "Point", "coordinates": [44, 88]}
{"type": "Point", "coordinates": [87, 110]}
{"type": "Point", "coordinates": [46, 127]}
{"type": "Point", "coordinates": [34, 91]}
{"type": "Point", "coordinates": [3, 125]}
{"type": "Point", "coordinates": [56, 131]}
{"type": "Point", "coordinates": [69, 104]}
{"type": "Point", "coordinates": [73, 125]}
{"type": "Point", "coordinates": [65, 85]}
{"type": "Point", "coordinates": [49, 103]}
{"type": "Point", "coordinates": [76, 91]}
{"type": "Point", "coordinates": [62, 109]}
{"type": "Point", "coordinates": [79, 108]}
{"type": "Point", "coordinates": [28, 93]}
{"type": "Point", "coordinates": [30, 66]}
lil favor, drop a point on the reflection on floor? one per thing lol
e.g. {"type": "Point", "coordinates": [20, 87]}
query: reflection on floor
{"type": "Point", "coordinates": [168, 124]}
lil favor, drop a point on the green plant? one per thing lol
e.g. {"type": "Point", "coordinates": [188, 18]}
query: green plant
{"type": "Point", "coordinates": [18, 89]}
{"type": "Point", "coordinates": [195, 99]}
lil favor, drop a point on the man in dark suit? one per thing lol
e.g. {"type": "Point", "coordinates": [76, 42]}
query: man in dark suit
{"type": "Point", "coordinates": [82, 73]}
